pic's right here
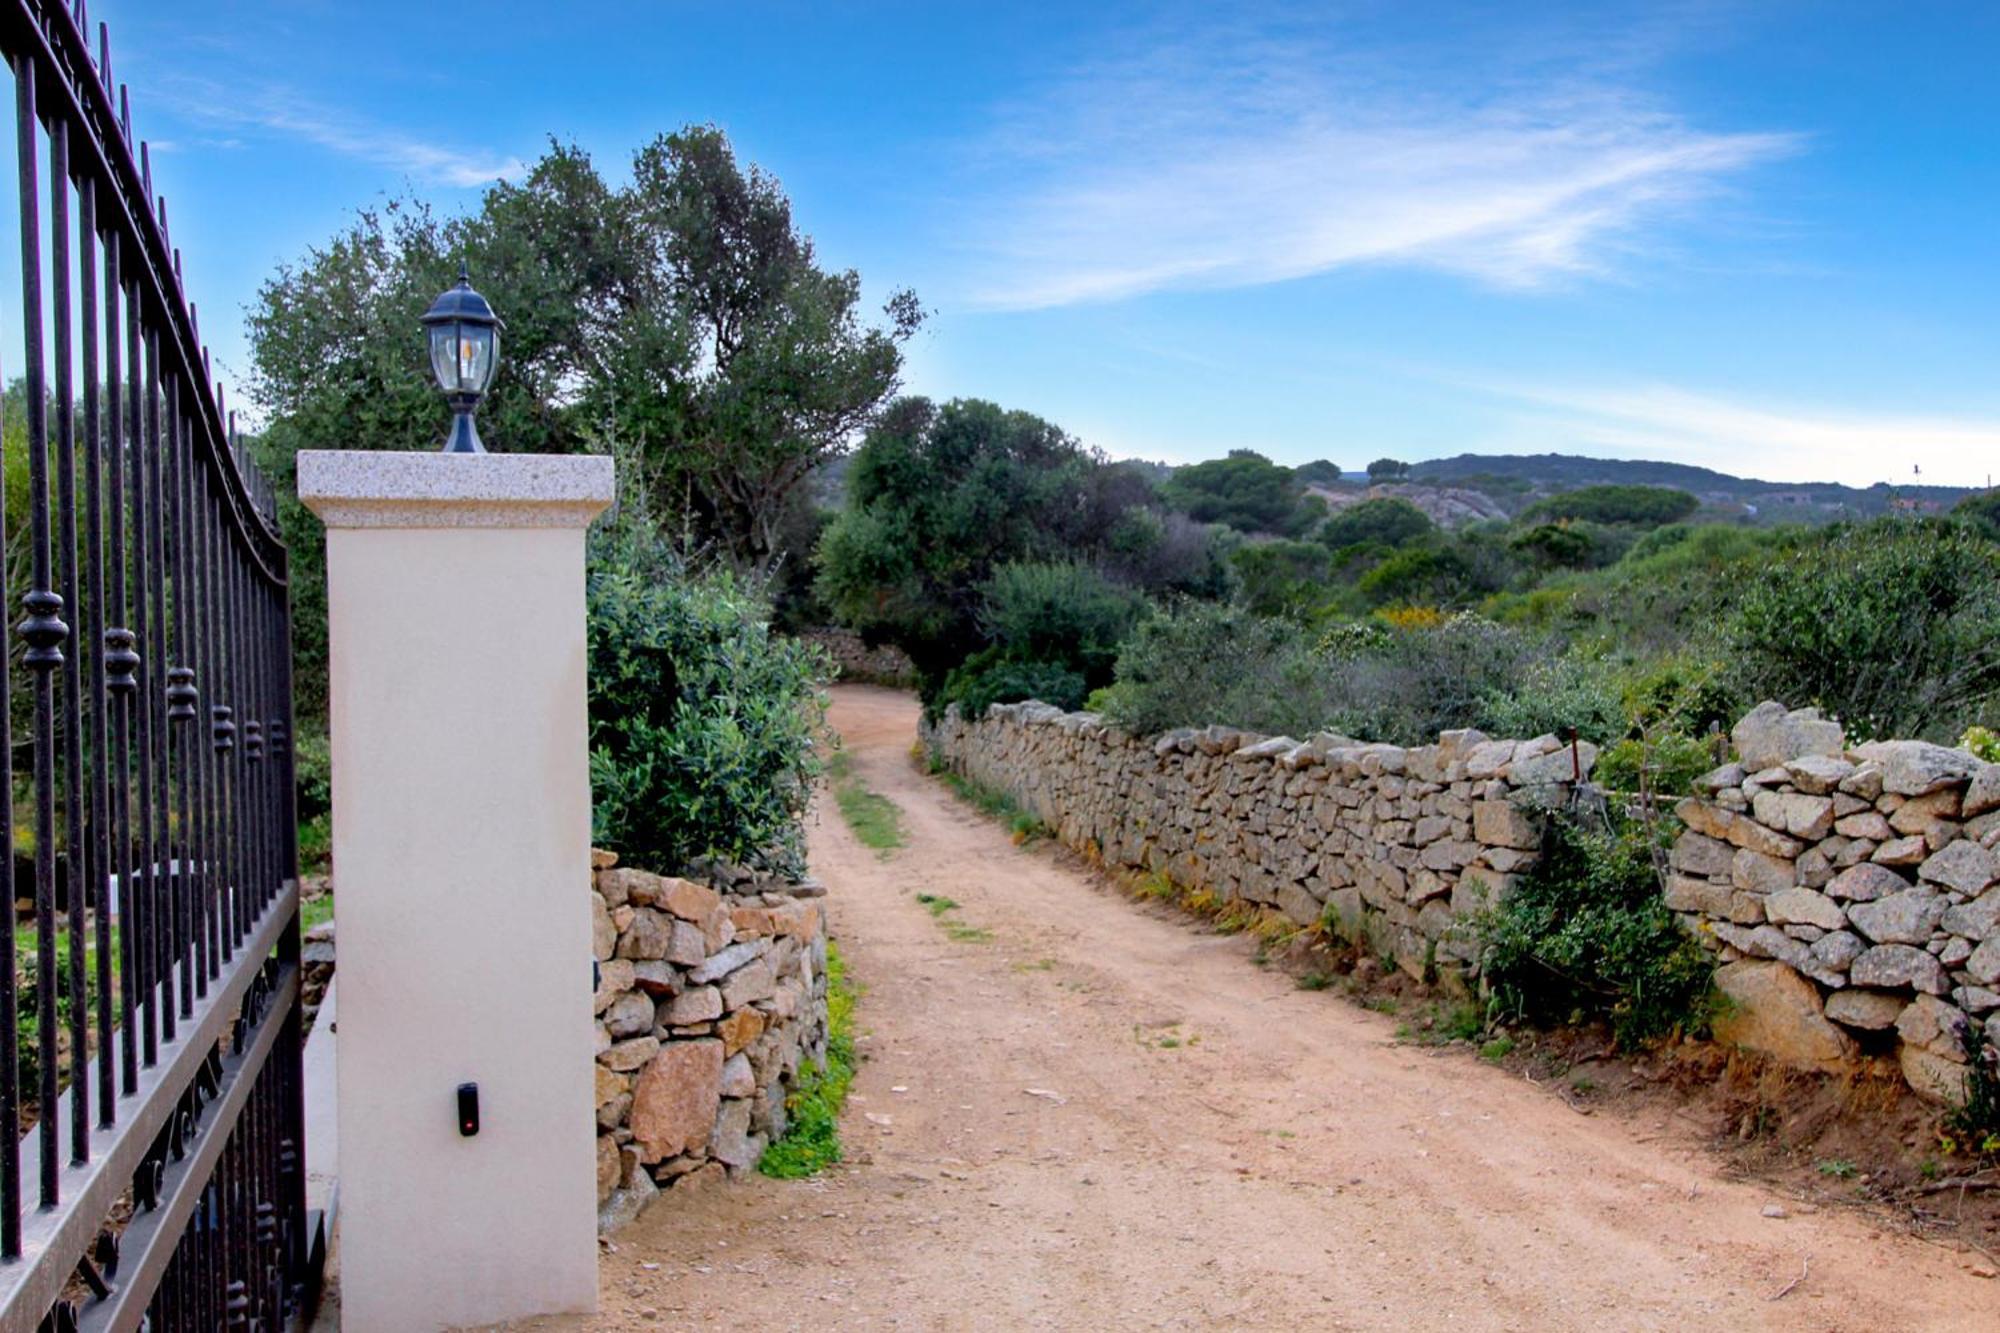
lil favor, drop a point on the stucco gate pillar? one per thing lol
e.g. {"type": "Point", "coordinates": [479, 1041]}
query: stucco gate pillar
{"type": "Point", "coordinates": [461, 852]}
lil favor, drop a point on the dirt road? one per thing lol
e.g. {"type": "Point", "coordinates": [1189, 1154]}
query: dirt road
{"type": "Point", "coordinates": [1208, 1146]}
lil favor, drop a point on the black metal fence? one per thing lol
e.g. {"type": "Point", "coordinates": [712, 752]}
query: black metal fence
{"type": "Point", "coordinates": [151, 1154]}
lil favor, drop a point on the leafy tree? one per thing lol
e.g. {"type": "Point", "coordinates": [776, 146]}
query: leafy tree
{"type": "Point", "coordinates": [784, 372]}
{"type": "Point", "coordinates": [1557, 545]}
{"type": "Point", "coordinates": [1246, 491]}
{"type": "Point", "coordinates": [1319, 472]}
{"type": "Point", "coordinates": [1385, 522]}
{"type": "Point", "coordinates": [939, 498]}
{"type": "Point", "coordinates": [338, 361]}
{"type": "Point", "coordinates": [1419, 575]}
{"type": "Point", "coordinates": [1169, 553]}
{"type": "Point", "coordinates": [1388, 469]}
{"type": "Point", "coordinates": [1638, 506]}
{"type": "Point", "coordinates": [682, 313]}
{"type": "Point", "coordinates": [1281, 577]}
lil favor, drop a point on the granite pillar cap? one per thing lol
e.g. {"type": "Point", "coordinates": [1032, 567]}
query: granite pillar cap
{"type": "Point", "coordinates": [376, 489]}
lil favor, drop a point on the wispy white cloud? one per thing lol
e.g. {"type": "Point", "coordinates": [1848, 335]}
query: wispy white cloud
{"type": "Point", "coordinates": [1228, 160]}
{"type": "Point", "coordinates": [395, 149]}
{"type": "Point", "coordinates": [283, 113]}
{"type": "Point", "coordinates": [1779, 441]}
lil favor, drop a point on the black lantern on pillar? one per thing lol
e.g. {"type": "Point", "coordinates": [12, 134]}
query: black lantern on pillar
{"type": "Point", "coordinates": [465, 351]}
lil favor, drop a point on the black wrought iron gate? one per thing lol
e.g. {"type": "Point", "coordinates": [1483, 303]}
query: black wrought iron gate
{"type": "Point", "coordinates": [151, 1153]}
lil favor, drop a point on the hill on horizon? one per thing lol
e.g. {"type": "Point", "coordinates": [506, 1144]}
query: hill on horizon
{"type": "Point", "coordinates": [1521, 476]}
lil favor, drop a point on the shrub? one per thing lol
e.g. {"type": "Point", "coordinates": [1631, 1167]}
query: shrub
{"type": "Point", "coordinates": [1562, 545]}
{"type": "Point", "coordinates": [1417, 574]}
{"type": "Point", "coordinates": [1688, 692]}
{"type": "Point", "coordinates": [1169, 553]}
{"type": "Point", "coordinates": [1058, 613]}
{"type": "Point", "coordinates": [702, 724]}
{"type": "Point", "coordinates": [1981, 742]}
{"type": "Point", "coordinates": [1977, 1116]}
{"type": "Point", "coordinates": [987, 679]}
{"type": "Point", "coordinates": [938, 499]}
{"type": "Point", "coordinates": [1982, 511]}
{"type": "Point", "coordinates": [1401, 682]}
{"type": "Point", "coordinates": [312, 759]}
{"type": "Point", "coordinates": [1641, 506]}
{"type": "Point", "coordinates": [1555, 694]}
{"type": "Point", "coordinates": [1406, 685]}
{"type": "Point", "coordinates": [1661, 765]}
{"type": "Point", "coordinates": [1385, 521]}
{"type": "Point", "coordinates": [1410, 617]}
{"type": "Point", "coordinates": [1280, 577]}
{"type": "Point", "coordinates": [1203, 663]}
{"type": "Point", "coordinates": [1585, 933]}
{"type": "Point", "coordinates": [1673, 585]}
{"type": "Point", "coordinates": [1893, 627]}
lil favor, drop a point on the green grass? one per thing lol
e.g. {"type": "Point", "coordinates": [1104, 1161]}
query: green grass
{"type": "Point", "coordinates": [874, 818]}
{"type": "Point", "coordinates": [942, 907]}
{"type": "Point", "coordinates": [1839, 1168]}
{"type": "Point", "coordinates": [1493, 1052]}
{"type": "Point", "coordinates": [1459, 1022]}
{"type": "Point", "coordinates": [812, 1140]}
{"type": "Point", "coordinates": [1315, 981]}
{"type": "Point", "coordinates": [316, 911]}
{"type": "Point", "coordinates": [1170, 1040]}
{"type": "Point", "coordinates": [1462, 1022]}
{"type": "Point", "coordinates": [1023, 826]}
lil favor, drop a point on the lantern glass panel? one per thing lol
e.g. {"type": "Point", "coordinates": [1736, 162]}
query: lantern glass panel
{"type": "Point", "coordinates": [475, 357]}
{"type": "Point", "coordinates": [444, 361]}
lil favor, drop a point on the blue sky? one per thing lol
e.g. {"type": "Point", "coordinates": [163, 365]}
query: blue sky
{"type": "Point", "coordinates": [1756, 236]}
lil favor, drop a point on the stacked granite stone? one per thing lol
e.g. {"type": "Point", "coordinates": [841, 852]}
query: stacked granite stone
{"type": "Point", "coordinates": [1852, 894]}
{"type": "Point", "coordinates": [709, 1002]}
{"type": "Point", "coordinates": [1870, 870]}
{"type": "Point", "coordinates": [856, 660]}
{"type": "Point", "coordinates": [1390, 845]}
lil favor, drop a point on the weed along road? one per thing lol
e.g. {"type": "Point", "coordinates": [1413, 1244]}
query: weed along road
{"type": "Point", "coordinates": [1075, 1111]}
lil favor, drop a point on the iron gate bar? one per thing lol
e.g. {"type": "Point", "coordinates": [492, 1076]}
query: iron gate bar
{"type": "Point", "coordinates": [91, 1188]}
{"type": "Point", "coordinates": [87, 101]}
{"type": "Point", "coordinates": [168, 675]}
{"type": "Point", "coordinates": [150, 1241]}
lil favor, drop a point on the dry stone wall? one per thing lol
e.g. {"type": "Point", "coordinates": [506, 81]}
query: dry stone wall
{"type": "Point", "coordinates": [709, 1002]}
{"type": "Point", "coordinates": [1387, 844]}
{"type": "Point", "coordinates": [1851, 893]}
{"type": "Point", "coordinates": [854, 660]}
